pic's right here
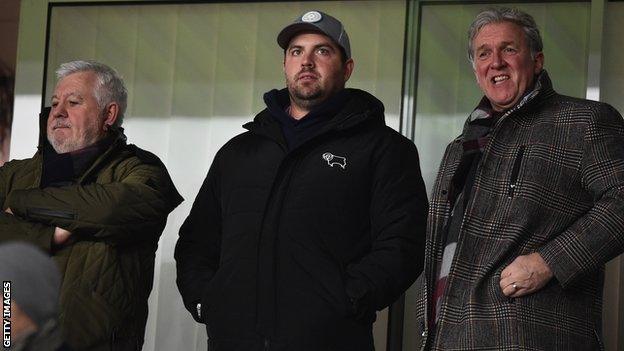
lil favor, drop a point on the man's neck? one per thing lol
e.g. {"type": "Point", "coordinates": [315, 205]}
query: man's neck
{"type": "Point", "coordinates": [299, 110]}
{"type": "Point", "coordinates": [296, 112]}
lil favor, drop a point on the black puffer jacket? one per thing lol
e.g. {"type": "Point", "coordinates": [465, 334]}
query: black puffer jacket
{"type": "Point", "coordinates": [295, 249]}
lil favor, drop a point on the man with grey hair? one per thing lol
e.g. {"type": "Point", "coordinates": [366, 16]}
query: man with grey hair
{"type": "Point", "coordinates": [96, 204]}
{"type": "Point", "coordinates": [527, 208]}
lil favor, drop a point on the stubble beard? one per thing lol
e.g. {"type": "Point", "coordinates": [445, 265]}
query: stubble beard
{"type": "Point", "coordinates": [306, 97]}
{"type": "Point", "coordinates": [72, 143]}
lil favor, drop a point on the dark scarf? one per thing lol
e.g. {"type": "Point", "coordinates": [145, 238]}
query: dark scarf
{"type": "Point", "coordinates": [476, 136]}
{"type": "Point", "coordinates": [296, 132]}
{"type": "Point", "coordinates": [64, 169]}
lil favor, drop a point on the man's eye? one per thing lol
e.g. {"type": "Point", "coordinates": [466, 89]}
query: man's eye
{"type": "Point", "coordinates": [509, 50]}
{"type": "Point", "coordinates": [295, 52]}
{"type": "Point", "coordinates": [323, 51]}
{"type": "Point", "coordinates": [73, 103]}
{"type": "Point", "coordinates": [54, 103]}
{"type": "Point", "coordinates": [483, 54]}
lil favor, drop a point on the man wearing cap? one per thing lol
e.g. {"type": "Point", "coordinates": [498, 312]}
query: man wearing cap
{"type": "Point", "coordinates": [312, 219]}
{"type": "Point", "coordinates": [96, 204]}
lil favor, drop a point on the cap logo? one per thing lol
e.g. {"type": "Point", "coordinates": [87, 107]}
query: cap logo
{"type": "Point", "coordinates": [311, 17]}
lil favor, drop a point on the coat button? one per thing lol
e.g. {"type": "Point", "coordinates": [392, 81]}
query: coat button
{"type": "Point", "coordinates": [423, 334]}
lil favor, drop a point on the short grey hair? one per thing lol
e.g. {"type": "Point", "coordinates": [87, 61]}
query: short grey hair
{"type": "Point", "coordinates": [110, 86]}
{"type": "Point", "coordinates": [505, 14]}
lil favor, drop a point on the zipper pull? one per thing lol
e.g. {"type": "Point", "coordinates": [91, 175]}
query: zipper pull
{"type": "Point", "coordinates": [512, 186]}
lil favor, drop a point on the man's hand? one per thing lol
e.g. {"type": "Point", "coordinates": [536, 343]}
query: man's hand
{"type": "Point", "coordinates": [525, 275]}
{"type": "Point", "coordinates": [61, 236]}
{"type": "Point", "coordinates": [8, 210]}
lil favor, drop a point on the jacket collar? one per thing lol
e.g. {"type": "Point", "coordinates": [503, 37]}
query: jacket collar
{"type": "Point", "coordinates": [541, 90]}
{"type": "Point", "coordinates": [118, 142]}
{"type": "Point", "coordinates": [361, 107]}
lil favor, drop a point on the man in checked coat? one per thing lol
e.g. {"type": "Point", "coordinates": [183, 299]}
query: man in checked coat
{"type": "Point", "coordinates": [527, 208]}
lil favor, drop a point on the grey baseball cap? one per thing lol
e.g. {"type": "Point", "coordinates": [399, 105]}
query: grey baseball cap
{"type": "Point", "coordinates": [316, 21]}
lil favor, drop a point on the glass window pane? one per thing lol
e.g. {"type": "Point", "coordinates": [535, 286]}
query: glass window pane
{"type": "Point", "coordinates": [612, 92]}
{"type": "Point", "coordinates": [612, 66]}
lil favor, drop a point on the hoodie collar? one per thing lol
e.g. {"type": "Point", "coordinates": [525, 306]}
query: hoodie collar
{"type": "Point", "coordinates": [278, 102]}
{"type": "Point", "coordinates": [358, 108]}
{"type": "Point", "coordinates": [297, 131]}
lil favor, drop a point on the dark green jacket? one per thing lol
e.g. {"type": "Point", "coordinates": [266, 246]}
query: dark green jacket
{"type": "Point", "coordinates": [116, 212]}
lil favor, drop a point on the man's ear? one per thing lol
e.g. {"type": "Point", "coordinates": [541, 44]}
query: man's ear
{"type": "Point", "coordinates": [539, 62]}
{"type": "Point", "coordinates": [111, 113]}
{"type": "Point", "coordinates": [348, 69]}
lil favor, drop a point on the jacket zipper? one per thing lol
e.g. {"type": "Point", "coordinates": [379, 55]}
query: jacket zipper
{"type": "Point", "coordinates": [50, 213]}
{"type": "Point", "coordinates": [515, 171]}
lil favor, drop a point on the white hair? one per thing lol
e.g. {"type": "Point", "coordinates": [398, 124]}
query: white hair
{"type": "Point", "coordinates": [110, 86]}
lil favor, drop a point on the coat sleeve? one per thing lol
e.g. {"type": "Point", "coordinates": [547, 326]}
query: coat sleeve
{"type": "Point", "coordinates": [198, 248]}
{"type": "Point", "coordinates": [398, 221]}
{"type": "Point", "coordinates": [598, 235]}
{"type": "Point", "coordinates": [13, 228]}
{"type": "Point", "coordinates": [123, 211]}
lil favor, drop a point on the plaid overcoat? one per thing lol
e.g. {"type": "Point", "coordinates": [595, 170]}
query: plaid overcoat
{"type": "Point", "coordinates": [551, 180]}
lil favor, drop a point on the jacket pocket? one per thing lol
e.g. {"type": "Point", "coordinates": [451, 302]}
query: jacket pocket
{"type": "Point", "coordinates": [207, 298]}
{"type": "Point", "coordinates": [90, 320]}
{"type": "Point", "coordinates": [212, 292]}
{"type": "Point", "coordinates": [513, 180]}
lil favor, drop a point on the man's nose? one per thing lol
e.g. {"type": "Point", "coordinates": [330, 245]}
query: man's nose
{"type": "Point", "coordinates": [497, 60]}
{"type": "Point", "coordinates": [307, 59]}
{"type": "Point", "coordinates": [58, 111]}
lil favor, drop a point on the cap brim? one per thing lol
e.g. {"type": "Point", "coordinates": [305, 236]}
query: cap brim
{"type": "Point", "coordinates": [284, 37]}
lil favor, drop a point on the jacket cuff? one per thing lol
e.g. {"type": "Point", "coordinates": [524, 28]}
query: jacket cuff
{"type": "Point", "coordinates": [19, 229]}
{"type": "Point", "coordinates": [360, 300]}
{"type": "Point", "coordinates": [563, 266]}
{"type": "Point", "coordinates": [46, 238]}
{"type": "Point", "coordinates": [12, 202]}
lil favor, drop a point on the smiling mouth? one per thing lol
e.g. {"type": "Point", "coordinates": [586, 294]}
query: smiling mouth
{"type": "Point", "coordinates": [500, 78]}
